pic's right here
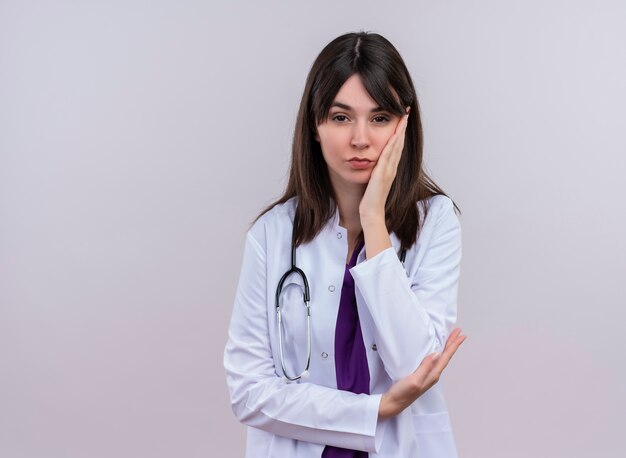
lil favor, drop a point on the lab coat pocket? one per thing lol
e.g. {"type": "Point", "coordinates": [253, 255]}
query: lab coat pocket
{"type": "Point", "coordinates": [294, 321]}
{"type": "Point", "coordinates": [433, 435]}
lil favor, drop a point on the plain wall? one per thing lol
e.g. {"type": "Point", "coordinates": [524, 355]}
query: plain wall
{"type": "Point", "coordinates": [138, 139]}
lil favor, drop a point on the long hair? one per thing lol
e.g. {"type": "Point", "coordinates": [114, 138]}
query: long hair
{"type": "Point", "coordinates": [382, 71]}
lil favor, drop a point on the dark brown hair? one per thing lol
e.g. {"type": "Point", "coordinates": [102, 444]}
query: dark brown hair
{"type": "Point", "coordinates": [383, 72]}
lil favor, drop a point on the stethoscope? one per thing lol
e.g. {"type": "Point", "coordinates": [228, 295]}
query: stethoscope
{"type": "Point", "coordinates": [307, 298]}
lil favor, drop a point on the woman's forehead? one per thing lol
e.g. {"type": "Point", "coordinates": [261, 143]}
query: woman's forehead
{"type": "Point", "coordinates": [354, 96]}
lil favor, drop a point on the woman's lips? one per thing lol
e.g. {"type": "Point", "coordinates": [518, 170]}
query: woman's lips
{"type": "Point", "coordinates": [360, 164]}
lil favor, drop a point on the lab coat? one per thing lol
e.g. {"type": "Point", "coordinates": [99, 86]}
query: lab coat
{"type": "Point", "coordinates": [406, 312]}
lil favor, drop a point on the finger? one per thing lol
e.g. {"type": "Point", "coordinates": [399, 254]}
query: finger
{"type": "Point", "coordinates": [398, 134]}
{"type": "Point", "coordinates": [432, 366]}
{"type": "Point", "coordinates": [390, 155]}
{"type": "Point", "coordinates": [426, 366]}
{"type": "Point", "coordinates": [447, 354]}
{"type": "Point", "coordinates": [454, 345]}
{"type": "Point", "coordinates": [387, 152]}
{"type": "Point", "coordinates": [453, 335]}
{"type": "Point", "coordinates": [442, 362]}
{"type": "Point", "coordinates": [429, 371]}
{"type": "Point", "coordinates": [435, 363]}
{"type": "Point", "coordinates": [396, 142]}
{"type": "Point", "coordinates": [401, 126]}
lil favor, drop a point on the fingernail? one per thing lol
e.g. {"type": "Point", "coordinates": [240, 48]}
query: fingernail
{"type": "Point", "coordinates": [435, 356]}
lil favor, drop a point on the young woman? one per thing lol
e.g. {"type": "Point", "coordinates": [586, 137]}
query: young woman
{"type": "Point", "coordinates": [342, 322]}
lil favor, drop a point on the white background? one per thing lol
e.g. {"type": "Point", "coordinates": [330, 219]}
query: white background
{"type": "Point", "coordinates": [138, 140]}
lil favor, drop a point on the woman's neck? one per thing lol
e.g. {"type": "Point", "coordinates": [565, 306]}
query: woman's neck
{"type": "Point", "coordinates": [348, 200]}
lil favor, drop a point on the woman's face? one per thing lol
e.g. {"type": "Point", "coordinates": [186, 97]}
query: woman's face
{"type": "Point", "coordinates": [354, 135]}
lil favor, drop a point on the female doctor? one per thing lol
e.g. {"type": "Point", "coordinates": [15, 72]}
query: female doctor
{"type": "Point", "coordinates": [342, 320]}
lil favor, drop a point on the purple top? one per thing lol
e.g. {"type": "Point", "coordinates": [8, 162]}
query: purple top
{"type": "Point", "coordinates": [350, 359]}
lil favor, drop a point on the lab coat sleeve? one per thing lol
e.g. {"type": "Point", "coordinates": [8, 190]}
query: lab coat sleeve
{"type": "Point", "coordinates": [261, 399]}
{"type": "Point", "coordinates": [413, 315]}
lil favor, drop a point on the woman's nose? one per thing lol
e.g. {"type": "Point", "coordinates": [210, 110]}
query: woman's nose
{"type": "Point", "coordinates": [360, 135]}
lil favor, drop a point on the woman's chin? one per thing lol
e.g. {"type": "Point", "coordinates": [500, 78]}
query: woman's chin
{"type": "Point", "coordinates": [355, 178]}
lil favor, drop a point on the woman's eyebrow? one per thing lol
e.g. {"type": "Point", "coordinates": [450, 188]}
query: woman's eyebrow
{"type": "Point", "coordinates": [349, 108]}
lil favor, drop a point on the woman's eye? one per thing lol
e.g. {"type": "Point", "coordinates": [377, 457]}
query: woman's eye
{"type": "Point", "coordinates": [381, 119]}
{"type": "Point", "coordinates": [340, 118]}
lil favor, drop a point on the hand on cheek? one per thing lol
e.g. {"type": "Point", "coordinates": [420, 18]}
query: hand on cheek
{"type": "Point", "coordinates": [373, 202]}
{"type": "Point", "coordinates": [372, 206]}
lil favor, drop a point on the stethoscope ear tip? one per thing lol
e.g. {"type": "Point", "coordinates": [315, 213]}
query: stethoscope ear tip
{"type": "Point", "coordinates": [305, 375]}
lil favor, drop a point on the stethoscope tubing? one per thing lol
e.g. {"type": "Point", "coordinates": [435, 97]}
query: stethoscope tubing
{"type": "Point", "coordinates": [307, 299]}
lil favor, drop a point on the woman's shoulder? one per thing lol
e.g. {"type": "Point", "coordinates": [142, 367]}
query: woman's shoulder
{"type": "Point", "coordinates": [437, 204]}
{"type": "Point", "coordinates": [277, 217]}
{"type": "Point", "coordinates": [278, 212]}
{"type": "Point", "coordinates": [436, 209]}
{"type": "Point", "coordinates": [437, 200]}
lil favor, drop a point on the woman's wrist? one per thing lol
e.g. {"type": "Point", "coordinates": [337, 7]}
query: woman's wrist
{"type": "Point", "coordinates": [376, 236]}
{"type": "Point", "coordinates": [383, 408]}
{"type": "Point", "coordinates": [389, 407]}
{"type": "Point", "coordinates": [371, 214]}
